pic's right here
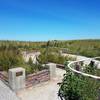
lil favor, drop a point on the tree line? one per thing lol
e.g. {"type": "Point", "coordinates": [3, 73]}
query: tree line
{"type": "Point", "coordinates": [88, 48]}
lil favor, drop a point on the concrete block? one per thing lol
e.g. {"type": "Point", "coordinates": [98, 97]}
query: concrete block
{"type": "Point", "coordinates": [17, 78]}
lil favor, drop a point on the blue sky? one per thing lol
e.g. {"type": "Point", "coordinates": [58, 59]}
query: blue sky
{"type": "Point", "coordinates": [40, 20]}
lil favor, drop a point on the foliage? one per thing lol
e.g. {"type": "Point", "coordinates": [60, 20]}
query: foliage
{"type": "Point", "coordinates": [30, 62]}
{"type": "Point", "coordinates": [88, 48]}
{"type": "Point", "coordinates": [55, 58]}
{"type": "Point", "coordinates": [53, 55]}
{"type": "Point", "coordinates": [92, 69]}
{"type": "Point", "coordinates": [10, 57]}
{"type": "Point", "coordinates": [77, 87]}
{"type": "Point", "coordinates": [71, 87]}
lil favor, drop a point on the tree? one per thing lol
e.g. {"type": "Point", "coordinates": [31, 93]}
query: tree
{"type": "Point", "coordinates": [30, 62]}
{"type": "Point", "coordinates": [46, 52]}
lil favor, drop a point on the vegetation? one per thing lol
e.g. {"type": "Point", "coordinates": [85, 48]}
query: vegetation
{"type": "Point", "coordinates": [92, 69]}
{"type": "Point", "coordinates": [74, 86]}
{"type": "Point", "coordinates": [53, 56]}
{"type": "Point", "coordinates": [10, 51]}
{"type": "Point", "coordinates": [11, 57]}
{"type": "Point", "coordinates": [78, 87]}
{"type": "Point", "coordinates": [88, 48]}
{"type": "Point", "coordinates": [22, 45]}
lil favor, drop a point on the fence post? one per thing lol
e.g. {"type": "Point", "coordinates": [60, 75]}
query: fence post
{"type": "Point", "coordinates": [52, 69]}
{"type": "Point", "coordinates": [17, 78]}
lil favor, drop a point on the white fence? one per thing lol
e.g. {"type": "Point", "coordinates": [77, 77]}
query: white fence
{"type": "Point", "coordinates": [80, 72]}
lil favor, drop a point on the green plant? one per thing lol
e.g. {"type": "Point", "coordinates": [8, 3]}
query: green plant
{"type": "Point", "coordinates": [78, 87]}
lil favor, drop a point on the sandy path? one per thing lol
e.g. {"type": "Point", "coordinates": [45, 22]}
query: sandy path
{"type": "Point", "coordinates": [43, 91]}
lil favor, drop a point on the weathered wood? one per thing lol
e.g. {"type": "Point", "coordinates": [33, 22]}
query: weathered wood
{"type": "Point", "coordinates": [37, 78]}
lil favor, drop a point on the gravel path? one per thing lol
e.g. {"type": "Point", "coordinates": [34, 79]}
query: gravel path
{"type": "Point", "coordinates": [44, 91]}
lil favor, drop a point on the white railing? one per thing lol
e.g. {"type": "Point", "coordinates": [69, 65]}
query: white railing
{"type": "Point", "coordinates": [80, 72]}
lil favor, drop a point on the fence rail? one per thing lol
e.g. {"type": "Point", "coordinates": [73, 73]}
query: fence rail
{"type": "Point", "coordinates": [70, 66]}
{"type": "Point", "coordinates": [60, 66]}
{"type": "Point", "coordinates": [4, 78]}
{"type": "Point", "coordinates": [38, 77]}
